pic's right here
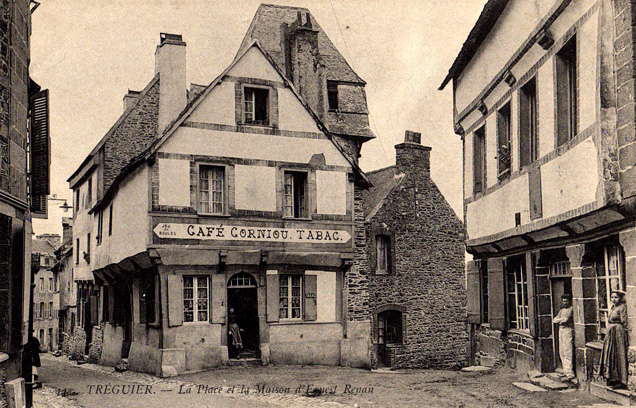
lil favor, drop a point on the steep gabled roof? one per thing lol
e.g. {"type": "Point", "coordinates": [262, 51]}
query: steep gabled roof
{"type": "Point", "coordinates": [384, 181]}
{"type": "Point", "coordinates": [266, 28]}
{"type": "Point", "coordinates": [194, 103]}
{"type": "Point", "coordinates": [141, 99]}
{"type": "Point", "coordinates": [487, 19]}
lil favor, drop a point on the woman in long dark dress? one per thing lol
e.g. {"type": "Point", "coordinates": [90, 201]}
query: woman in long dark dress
{"type": "Point", "coordinates": [613, 364]}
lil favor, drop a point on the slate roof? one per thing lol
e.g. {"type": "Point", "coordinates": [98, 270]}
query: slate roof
{"type": "Point", "coordinates": [384, 181]}
{"type": "Point", "coordinates": [487, 19]}
{"type": "Point", "coordinates": [41, 246]}
{"type": "Point", "coordinates": [265, 28]}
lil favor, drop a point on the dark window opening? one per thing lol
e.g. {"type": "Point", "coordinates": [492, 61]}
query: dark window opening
{"type": "Point", "coordinates": [479, 160]}
{"type": "Point", "coordinates": [257, 106]}
{"type": "Point", "coordinates": [147, 312]}
{"type": "Point", "coordinates": [503, 141]}
{"type": "Point", "coordinates": [483, 273]}
{"type": "Point", "coordinates": [100, 226]}
{"type": "Point", "coordinates": [529, 143]}
{"type": "Point", "coordinates": [295, 194]}
{"type": "Point", "coordinates": [390, 327]}
{"type": "Point", "coordinates": [566, 92]}
{"type": "Point", "coordinates": [110, 221]}
{"type": "Point", "coordinates": [332, 95]}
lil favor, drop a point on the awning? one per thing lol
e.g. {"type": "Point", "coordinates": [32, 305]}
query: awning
{"type": "Point", "coordinates": [136, 266]}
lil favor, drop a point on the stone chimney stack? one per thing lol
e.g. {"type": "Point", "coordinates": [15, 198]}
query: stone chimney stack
{"type": "Point", "coordinates": [411, 157]}
{"type": "Point", "coordinates": [170, 64]}
{"type": "Point", "coordinates": [67, 229]}
{"type": "Point", "coordinates": [303, 65]}
{"type": "Point", "coordinates": [130, 98]}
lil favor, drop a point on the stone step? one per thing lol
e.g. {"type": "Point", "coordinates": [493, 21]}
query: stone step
{"type": "Point", "coordinates": [244, 362]}
{"type": "Point", "coordinates": [476, 369]}
{"type": "Point", "coordinates": [548, 383]}
{"type": "Point", "coordinates": [528, 386]}
{"type": "Point", "coordinates": [621, 397]}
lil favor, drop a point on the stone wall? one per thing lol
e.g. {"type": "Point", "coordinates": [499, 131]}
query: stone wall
{"type": "Point", "coordinates": [95, 348]}
{"type": "Point", "coordinates": [356, 284]}
{"type": "Point", "coordinates": [427, 278]}
{"type": "Point", "coordinates": [520, 351]}
{"type": "Point", "coordinates": [491, 345]}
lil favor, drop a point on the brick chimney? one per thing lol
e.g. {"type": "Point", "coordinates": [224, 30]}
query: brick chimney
{"type": "Point", "coordinates": [170, 64]}
{"type": "Point", "coordinates": [411, 157]}
{"type": "Point", "coordinates": [67, 229]}
{"type": "Point", "coordinates": [303, 65]}
{"type": "Point", "coordinates": [130, 98]}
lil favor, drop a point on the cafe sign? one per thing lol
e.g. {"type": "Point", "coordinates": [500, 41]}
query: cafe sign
{"type": "Point", "coordinates": [223, 232]}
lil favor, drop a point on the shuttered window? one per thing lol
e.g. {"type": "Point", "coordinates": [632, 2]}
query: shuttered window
{"type": "Point", "coordinates": [295, 198]}
{"type": "Point", "coordinates": [256, 109]}
{"type": "Point", "coordinates": [479, 160]}
{"type": "Point", "coordinates": [503, 142]}
{"type": "Point", "coordinates": [528, 137]}
{"type": "Point", "coordinates": [566, 92]}
{"type": "Point", "coordinates": [518, 296]}
{"type": "Point", "coordinates": [290, 297]}
{"type": "Point", "coordinates": [40, 152]}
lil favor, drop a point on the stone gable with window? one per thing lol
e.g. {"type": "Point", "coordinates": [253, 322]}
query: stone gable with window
{"type": "Point", "coordinates": [415, 254]}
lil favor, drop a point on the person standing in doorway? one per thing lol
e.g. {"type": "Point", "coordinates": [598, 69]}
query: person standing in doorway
{"type": "Point", "coordinates": [566, 335]}
{"type": "Point", "coordinates": [613, 364]}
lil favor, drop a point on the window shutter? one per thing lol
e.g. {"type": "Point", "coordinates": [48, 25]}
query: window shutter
{"type": "Point", "coordinates": [473, 292]}
{"type": "Point", "coordinates": [311, 310]}
{"type": "Point", "coordinates": [175, 300]}
{"type": "Point", "coordinates": [93, 306]}
{"type": "Point", "coordinates": [534, 182]}
{"type": "Point", "coordinates": [40, 144]}
{"type": "Point", "coordinates": [272, 296]}
{"type": "Point", "coordinates": [496, 294]}
{"type": "Point", "coordinates": [218, 295]}
{"type": "Point", "coordinates": [562, 101]}
{"type": "Point", "coordinates": [238, 102]}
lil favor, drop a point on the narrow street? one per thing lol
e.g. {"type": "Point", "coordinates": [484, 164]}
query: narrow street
{"type": "Point", "coordinates": [68, 385]}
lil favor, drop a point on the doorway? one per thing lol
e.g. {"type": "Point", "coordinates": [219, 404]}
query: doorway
{"type": "Point", "coordinates": [242, 309]}
{"type": "Point", "coordinates": [389, 336]}
{"type": "Point", "coordinates": [560, 286]}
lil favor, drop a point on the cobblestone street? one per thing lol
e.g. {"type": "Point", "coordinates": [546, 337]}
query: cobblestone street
{"type": "Point", "coordinates": [69, 385]}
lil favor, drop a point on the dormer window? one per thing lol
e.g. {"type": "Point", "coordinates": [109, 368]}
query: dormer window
{"type": "Point", "coordinates": [256, 106]}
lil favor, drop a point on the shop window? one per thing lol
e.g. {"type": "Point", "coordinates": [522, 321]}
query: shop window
{"type": "Point", "coordinates": [566, 100]}
{"type": "Point", "coordinates": [390, 327]}
{"type": "Point", "coordinates": [479, 160]}
{"type": "Point", "coordinates": [295, 201]}
{"type": "Point", "coordinates": [256, 106]}
{"type": "Point", "coordinates": [211, 189]}
{"type": "Point", "coordinates": [195, 298]}
{"type": "Point", "coordinates": [518, 296]}
{"type": "Point", "coordinates": [610, 275]}
{"type": "Point", "coordinates": [503, 141]}
{"type": "Point", "coordinates": [147, 311]}
{"type": "Point", "coordinates": [528, 137]}
{"type": "Point", "coordinates": [332, 95]}
{"type": "Point", "coordinates": [290, 302]}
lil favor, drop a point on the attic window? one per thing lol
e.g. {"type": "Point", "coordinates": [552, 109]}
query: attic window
{"type": "Point", "coordinates": [332, 95]}
{"type": "Point", "coordinates": [256, 106]}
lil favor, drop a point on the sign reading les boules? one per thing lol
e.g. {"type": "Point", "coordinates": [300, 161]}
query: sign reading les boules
{"type": "Point", "coordinates": [242, 233]}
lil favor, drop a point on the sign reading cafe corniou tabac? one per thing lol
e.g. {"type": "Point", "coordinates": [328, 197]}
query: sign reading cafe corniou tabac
{"type": "Point", "coordinates": [244, 233]}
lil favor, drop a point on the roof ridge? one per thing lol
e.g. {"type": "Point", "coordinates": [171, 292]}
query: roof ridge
{"type": "Point", "coordinates": [282, 6]}
{"type": "Point", "coordinates": [380, 169]}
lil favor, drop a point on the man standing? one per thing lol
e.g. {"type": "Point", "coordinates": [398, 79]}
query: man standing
{"type": "Point", "coordinates": [566, 334]}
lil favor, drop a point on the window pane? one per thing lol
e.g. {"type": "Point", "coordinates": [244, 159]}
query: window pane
{"type": "Point", "coordinates": [187, 281]}
{"type": "Point", "coordinates": [188, 317]}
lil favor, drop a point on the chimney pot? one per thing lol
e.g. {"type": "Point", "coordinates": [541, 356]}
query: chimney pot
{"type": "Point", "coordinates": [412, 137]}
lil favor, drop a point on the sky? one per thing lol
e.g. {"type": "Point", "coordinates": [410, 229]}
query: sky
{"type": "Point", "coordinates": [88, 53]}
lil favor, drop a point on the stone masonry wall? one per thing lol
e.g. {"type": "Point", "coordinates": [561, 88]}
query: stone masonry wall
{"type": "Point", "coordinates": [429, 273]}
{"type": "Point", "coordinates": [132, 136]}
{"type": "Point", "coordinates": [356, 284]}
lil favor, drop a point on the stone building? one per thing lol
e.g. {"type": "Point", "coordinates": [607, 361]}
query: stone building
{"type": "Point", "coordinates": [544, 102]}
{"type": "Point", "coordinates": [236, 202]}
{"type": "Point", "coordinates": [416, 265]}
{"type": "Point", "coordinates": [67, 288]}
{"type": "Point", "coordinates": [23, 189]}
{"type": "Point", "coordinates": [46, 297]}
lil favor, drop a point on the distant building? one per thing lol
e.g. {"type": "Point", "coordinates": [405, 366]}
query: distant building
{"type": "Point", "coordinates": [67, 287]}
{"type": "Point", "coordinates": [46, 297]}
{"type": "Point", "coordinates": [24, 185]}
{"type": "Point", "coordinates": [543, 97]}
{"type": "Point", "coordinates": [416, 265]}
{"type": "Point", "coordinates": [237, 202]}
